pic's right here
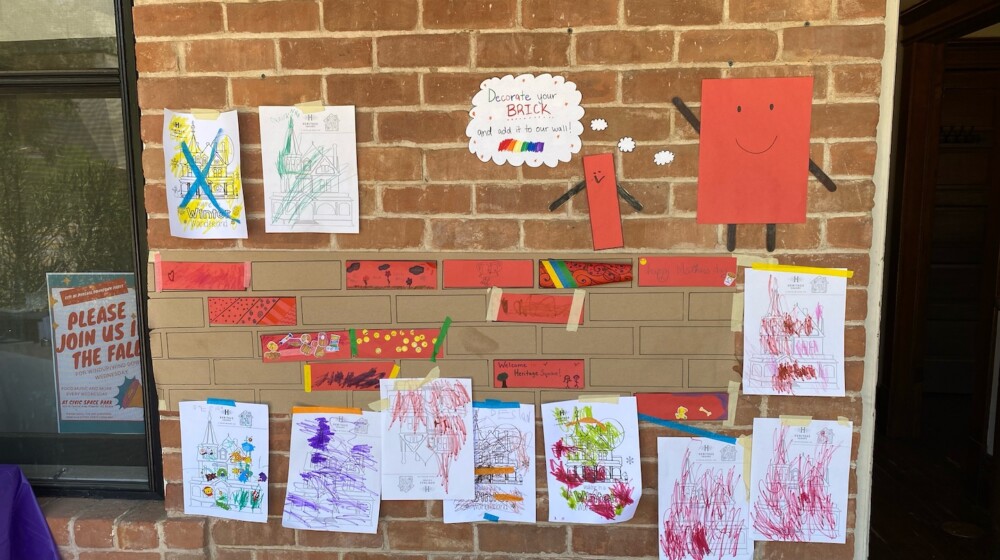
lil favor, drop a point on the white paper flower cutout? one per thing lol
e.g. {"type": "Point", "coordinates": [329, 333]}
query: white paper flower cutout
{"type": "Point", "coordinates": [663, 158]}
{"type": "Point", "coordinates": [598, 124]}
{"type": "Point", "coordinates": [626, 144]}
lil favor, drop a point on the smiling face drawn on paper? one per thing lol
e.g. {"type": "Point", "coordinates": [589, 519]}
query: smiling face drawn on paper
{"type": "Point", "coordinates": [758, 143]}
{"type": "Point", "coordinates": [598, 176]}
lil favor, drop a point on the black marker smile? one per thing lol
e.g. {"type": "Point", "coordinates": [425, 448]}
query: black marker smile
{"type": "Point", "coordinates": [760, 152]}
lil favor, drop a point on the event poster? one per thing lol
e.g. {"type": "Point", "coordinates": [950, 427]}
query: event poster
{"type": "Point", "coordinates": [96, 352]}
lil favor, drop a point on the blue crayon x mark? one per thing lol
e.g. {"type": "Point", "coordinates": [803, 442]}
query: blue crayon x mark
{"type": "Point", "coordinates": [200, 181]}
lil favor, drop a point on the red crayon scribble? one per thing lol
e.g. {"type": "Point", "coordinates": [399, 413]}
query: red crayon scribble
{"type": "Point", "coordinates": [794, 503]}
{"type": "Point", "coordinates": [703, 520]}
{"type": "Point", "coordinates": [785, 335]}
{"type": "Point", "coordinates": [560, 449]}
{"type": "Point", "coordinates": [570, 478]}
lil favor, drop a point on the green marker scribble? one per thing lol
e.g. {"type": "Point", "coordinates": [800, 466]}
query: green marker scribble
{"type": "Point", "coordinates": [305, 187]}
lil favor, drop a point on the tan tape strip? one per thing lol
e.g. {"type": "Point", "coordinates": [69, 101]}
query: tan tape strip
{"type": "Point", "coordinates": [736, 319]}
{"type": "Point", "coordinates": [790, 420]}
{"type": "Point", "coordinates": [748, 260]}
{"type": "Point", "coordinates": [379, 405]}
{"type": "Point", "coordinates": [607, 399]}
{"type": "Point", "coordinates": [746, 442]}
{"type": "Point", "coordinates": [493, 295]}
{"type": "Point", "coordinates": [414, 384]}
{"type": "Point", "coordinates": [734, 397]}
{"type": "Point", "coordinates": [575, 310]}
{"type": "Point", "coordinates": [843, 421]}
{"type": "Point", "coordinates": [310, 106]}
{"type": "Point", "coordinates": [205, 114]}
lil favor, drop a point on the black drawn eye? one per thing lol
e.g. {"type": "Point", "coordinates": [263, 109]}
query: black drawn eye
{"type": "Point", "coordinates": [739, 109]}
{"type": "Point", "coordinates": [772, 106]}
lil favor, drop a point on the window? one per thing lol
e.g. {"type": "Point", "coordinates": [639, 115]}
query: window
{"type": "Point", "coordinates": [75, 391]}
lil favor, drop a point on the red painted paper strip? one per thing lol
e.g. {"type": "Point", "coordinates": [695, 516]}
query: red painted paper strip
{"type": "Point", "coordinates": [684, 407]}
{"type": "Point", "coordinates": [266, 311]}
{"type": "Point", "coordinates": [382, 343]}
{"type": "Point", "coordinates": [305, 346]}
{"type": "Point", "coordinates": [391, 275]}
{"type": "Point", "coordinates": [536, 308]}
{"type": "Point", "coordinates": [538, 374]}
{"type": "Point", "coordinates": [349, 376]}
{"type": "Point", "coordinates": [489, 273]}
{"type": "Point", "coordinates": [707, 272]}
{"type": "Point", "coordinates": [602, 199]}
{"type": "Point", "coordinates": [203, 276]}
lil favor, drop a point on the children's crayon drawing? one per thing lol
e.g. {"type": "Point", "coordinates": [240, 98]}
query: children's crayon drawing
{"type": "Point", "coordinates": [504, 440]}
{"type": "Point", "coordinates": [305, 346]}
{"type": "Point", "coordinates": [427, 445]}
{"type": "Point", "coordinates": [557, 273]}
{"type": "Point", "coordinates": [224, 451]}
{"type": "Point", "coordinates": [535, 308]}
{"type": "Point", "coordinates": [703, 509]}
{"type": "Point", "coordinates": [310, 170]}
{"type": "Point", "coordinates": [489, 273]}
{"type": "Point", "coordinates": [201, 276]}
{"type": "Point", "coordinates": [384, 343]}
{"type": "Point", "coordinates": [793, 334]}
{"type": "Point", "coordinates": [538, 374]}
{"type": "Point", "coordinates": [684, 407]}
{"type": "Point", "coordinates": [348, 376]}
{"type": "Point", "coordinates": [706, 272]}
{"type": "Point", "coordinates": [391, 275]}
{"type": "Point", "coordinates": [592, 460]}
{"type": "Point", "coordinates": [798, 480]}
{"type": "Point", "coordinates": [264, 311]}
{"type": "Point", "coordinates": [204, 182]}
{"type": "Point", "coordinates": [334, 471]}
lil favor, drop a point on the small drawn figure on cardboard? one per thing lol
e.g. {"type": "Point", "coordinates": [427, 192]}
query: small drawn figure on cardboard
{"type": "Point", "coordinates": [681, 413]}
{"type": "Point", "coordinates": [272, 351]}
{"type": "Point", "coordinates": [502, 378]}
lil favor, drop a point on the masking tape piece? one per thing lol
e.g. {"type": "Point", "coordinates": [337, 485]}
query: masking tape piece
{"type": "Point", "coordinates": [493, 295]}
{"type": "Point", "coordinates": [746, 442]}
{"type": "Point", "coordinates": [163, 404]}
{"type": "Point", "coordinates": [749, 260]}
{"type": "Point", "coordinates": [494, 403]}
{"type": "Point", "coordinates": [490, 517]}
{"type": "Point", "coordinates": [395, 371]}
{"type": "Point", "coordinates": [353, 335]}
{"type": "Point", "coordinates": [790, 420]}
{"type": "Point", "coordinates": [439, 343]}
{"type": "Point", "coordinates": [697, 432]}
{"type": "Point", "coordinates": [608, 399]}
{"type": "Point", "coordinates": [307, 377]}
{"type": "Point", "coordinates": [575, 310]}
{"type": "Point", "coordinates": [734, 397]}
{"type": "Point", "coordinates": [220, 402]}
{"type": "Point", "coordinates": [324, 410]}
{"type": "Point", "coordinates": [310, 106]}
{"type": "Point", "coordinates": [843, 421]}
{"type": "Point", "coordinates": [804, 269]}
{"type": "Point", "coordinates": [153, 255]}
{"type": "Point", "coordinates": [379, 405]}
{"type": "Point", "coordinates": [205, 114]}
{"type": "Point", "coordinates": [736, 319]}
{"type": "Point", "coordinates": [414, 384]}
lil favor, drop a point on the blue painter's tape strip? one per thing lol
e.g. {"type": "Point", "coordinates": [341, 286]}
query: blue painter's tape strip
{"type": "Point", "coordinates": [493, 403]}
{"type": "Point", "coordinates": [687, 429]}
{"type": "Point", "coordinates": [221, 402]}
{"type": "Point", "coordinates": [490, 517]}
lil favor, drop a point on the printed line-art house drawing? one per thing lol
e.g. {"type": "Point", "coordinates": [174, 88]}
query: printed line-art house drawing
{"type": "Point", "coordinates": [226, 478]}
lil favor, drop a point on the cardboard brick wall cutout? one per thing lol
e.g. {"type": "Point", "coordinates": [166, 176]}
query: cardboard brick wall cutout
{"type": "Point", "coordinates": [602, 198]}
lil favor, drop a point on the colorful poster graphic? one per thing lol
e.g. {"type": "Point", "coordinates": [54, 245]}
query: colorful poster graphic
{"type": "Point", "coordinates": [265, 311]}
{"type": "Point", "coordinates": [538, 374]}
{"type": "Point", "coordinates": [204, 180]}
{"type": "Point", "coordinates": [391, 275]}
{"type": "Point", "coordinates": [97, 352]}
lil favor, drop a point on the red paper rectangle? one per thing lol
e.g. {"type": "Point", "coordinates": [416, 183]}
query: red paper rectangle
{"type": "Point", "coordinates": [266, 311]}
{"type": "Point", "coordinates": [538, 374]}
{"type": "Point", "coordinates": [202, 276]}
{"type": "Point", "coordinates": [305, 346]}
{"type": "Point", "coordinates": [489, 273]}
{"type": "Point", "coordinates": [382, 343]}
{"type": "Point", "coordinates": [707, 272]}
{"type": "Point", "coordinates": [93, 292]}
{"type": "Point", "coordinates": [535, 308]}
{"type": "Point", "coordinates": [391, 275]}
{"type": "Point", "coordinates": [602, 198]}
{"type": "Point", "coordinates": [684, 407]}
{"type": "Point", "coordinates": [348, 376]}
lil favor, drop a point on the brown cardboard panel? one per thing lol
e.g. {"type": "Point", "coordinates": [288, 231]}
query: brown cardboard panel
{"type": "Point", "coordinates": [281, 401]}
{"type": "Point", "coordinates": [210, 344]}
{"type": "Point", "coordinates": [587, 340]}
{"type": "Point", "coordinates": [295, 275]}
{"type": "Point", "coordinates": [150, 277]}
{"type": "Point", "coordinates": [509, 395]}
{"type": "Point", "coordinates": [668, 306]}
{"type": "Point", "coordinates": [155, 345]}
{"type": "Point", "coordinates": [477, 370]}
{"type": "Point", "coordinates": [637, 372]}
{"type": "Point", "coordinates": [433, 309]}
{"type": "Point", "coordinates": [256, 372]}
{"type": "Point", "coordinates": [185, 394]}
{"type": "Point", "coordinates": [346, 310]}
{"type": "Point", "coordinates": [556, 396]}
{"type": "Point", "coordinates": [361, 399]}
{"type": "Point", "coordinates": [712, 374]}
{"type": "Point", "coordinates": [168, 313]}
{"type": "Point", "coordinates": [710, 306]}
{"type": "Point", "coordinates": [481, 341]}
{"type": "Point", "coordinates": [182, 372]}
{"type": "Point", "coordinates": [685, 340]}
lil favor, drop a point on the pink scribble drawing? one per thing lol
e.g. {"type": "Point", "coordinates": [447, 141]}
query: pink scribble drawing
{"type": "Point", "coordinates": [795, 502]}
{"type": "Point", "coordinates": [432, 419]}
{"type": "Point", "coordinates": [703, 520]}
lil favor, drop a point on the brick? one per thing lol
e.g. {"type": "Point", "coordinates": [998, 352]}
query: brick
{"type": "Point", "coordinates": [284, 400]}
{"type": "Point", "coordinates": [346, 310]}
{"type": "Point", "coordinates": [425, 127]}
{"type": "Point", "coordinates": [663, 306]}
{"type": "Point", "coordinates": [481, 235]}
{"type": "Point", "coordinates": [851, 9]}
{"type": "Point", "coordinates": [849, 232]}
{"type": "Point", "coordinates": [275, 90]}
{"type": "Point", "coordinates": [459, 164]}
{"type": "Point", "coordinates": [498, 50]}
{"type": "Point", "coordinates": [259, 238]}
{"type": "Point", "coordinates": [136, 530]}
{"type": "Point", "coordinates": [568, 13]}
{"type": "Point", "coordinates": [273, 17]}
{"type": "Point", "coordinates": [449, 49]}
{"type": "Point", "coordinates": [704, 373]}
{"type": "Point", "coordinates": [295, 275]}
{"type": "Point", "coordinates": [752, 11]}
{"type": "Point", "coordinates": [215, 344]}
{"type": "Point", "coordinates": [853, 158]}
{"type": "Point", "coordinates": [845, 120]}
{"type": "Point", "coordinates": [614, 541]}
{"type": "Point", "coordinates": [233, 554]}
{"type": "Point", "coordinates": [389, 164]}
{"type": "Point", "coordinates": [817, 72]}
{"type": "Point", "coordinates": [624, 47]}
{"type": "Point", "coordinates": [255, 372]}
{"type": "Point", "coordinates": [820, 408]}
{"type": "Point", "coordinates": [787, 236]}
{"type": "Point", "coordinates": [182, 92]}
{"type": "Point", "coordinates": [339, 540]}
{"type": "Point", "coordinates": [669, 233]}
{"type": "Point", "coordinates": [738, 45]}
{"type": "Point", "coordinates": [176, 555]}
{"type": "Point", "coordinates": [176, 312]}
{"type": "Point", "coordinates": [830, 42]}
{"type": "Point", "coordinates": [158, 237]}
{"type": "Point", "coordinates": [557, 235]}
{"type": "Point", "coordinates": [170, 430]}
{"type": "Point", "coordinates": [655, 372]}
{"type": "Point", "coordinates": [385, 233]}
{"type": "Point", "coordinates": [857, 80]}
{"type": "Point", "coordinates": [177, 19]}
{"type": "Point", "coordinates": [430, 199]}
{"type": "Point", "coordinates": [118, 555]}
{"type": "Point", "coordinates": [683, 12]}
{"type": "Point", "coordinates": [469, 14]}
{"type": "Point", "coordinates": [180, 395]}
{"type": "Point", "coordinates": [850, 196]}
{"type": "Point", "coordinates": [854, 342]}
{"type": "Point", "coordinates": [405, 509]}
{"type": "Point", "coordinates": [685, 340]}
{"type": "Point", "coordinates": [534, 539]}
{"type": "Point", "coordinates": [641, 124]}
{"type": "Point", "coordinates": [490, 340]}
{"type": "Point", "coordinates": [315, 53]}
{"type": "Point", "coordinates": [433, 309]}
{"type": "Point", "coordinates": [230, 532]}
{"type": "Point", "coordinates": [515, 199]}
{"type": "Point", "coordinates": [229, 55]}
{"type": "Point", "coordinates": [370, 15]}
{"type": "Point", "coordinates": [181, 372]}
{"type": "Point", "coordinates": [600, 87]}
{"type": "Point", "coordinates": [660, 86]}
{"type": "Point", "coordinates": [417, 535]}
{"type": "Point", "coordinates": [587, 340]}
{"type": "Point", "coordinates": [172, 467]}
{"type": "Point", "coordinates": [94, 526]}
{"type": "Point", "coordinates": [856, 305]}
{"type": "Point", "coordinates": [59, 513]}
{"type": "Point", "coordinates": [155, 57]}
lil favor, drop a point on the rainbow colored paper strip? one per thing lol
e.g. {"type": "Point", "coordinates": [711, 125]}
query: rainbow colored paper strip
{"type": "Point", "coordinates": [556, 273]}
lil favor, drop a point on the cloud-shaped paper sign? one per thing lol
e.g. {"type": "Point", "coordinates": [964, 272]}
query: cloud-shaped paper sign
{"type": "Point", "coordinates": [526, 119]}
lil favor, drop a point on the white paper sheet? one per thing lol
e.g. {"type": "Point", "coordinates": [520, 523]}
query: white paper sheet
{"type": "Point", "coordinates": [204, 200]}
{"type": "Point", "coordinates": [798, 481]}
{"type": "Point", "coordinates": [334, 472]}
{"type": "Point", "coordinates": [310, 170]}
{"type": "Point", "coordinates": [224, 456]}
{"type": "Point", "coordinates": [703, 504]}
{"type": "Point", "coordinates": [504, 440]}
{"type": "Point", "coordinates": [427, 448]}
{"type": "Point", "coordinates": [592, 460]}
{"type": "Point", "coordinates": [793, 334]}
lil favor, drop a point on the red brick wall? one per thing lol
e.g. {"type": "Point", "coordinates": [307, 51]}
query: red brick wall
{"type": "Point", "coordinates": [411, 68]}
